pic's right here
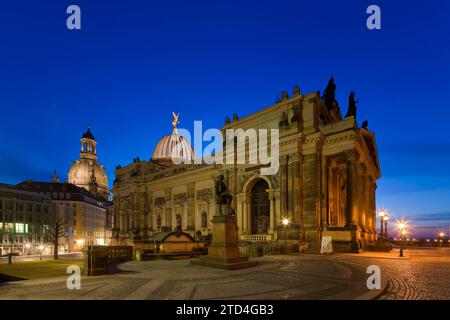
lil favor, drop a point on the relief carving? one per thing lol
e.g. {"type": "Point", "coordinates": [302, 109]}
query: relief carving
{"type": "Point", "coordinates": [205, 194]}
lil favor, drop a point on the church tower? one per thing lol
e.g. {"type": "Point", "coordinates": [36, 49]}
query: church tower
{"type": "Point", "coordinates": [87, 172]}
{"type": "Point", "coordinates": [88, 146]}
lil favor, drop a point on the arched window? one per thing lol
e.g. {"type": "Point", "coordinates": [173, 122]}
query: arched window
{"type": "Point", "coordinates": [260, 214]}
{"type": "Point", "coordinates": [204, 219]}
{"type": "Point", "coordinates": [158, 222]}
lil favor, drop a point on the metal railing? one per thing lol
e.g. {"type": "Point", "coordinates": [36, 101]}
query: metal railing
{"type": "Point", "coordinates": [256, 237]}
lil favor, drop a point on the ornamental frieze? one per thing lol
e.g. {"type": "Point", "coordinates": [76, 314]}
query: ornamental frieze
{"type": "Point", "coordinates": [180, 198]}
{"type": "Point", "coordinates": [160, 201]}
{"type": "Point", "coordinates": [205, 194]}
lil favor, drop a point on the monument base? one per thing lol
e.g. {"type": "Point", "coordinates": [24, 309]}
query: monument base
{"type": "Point", "coordinates": [224, 252]}
{"type": "Point", "coordinates": [227, 263]}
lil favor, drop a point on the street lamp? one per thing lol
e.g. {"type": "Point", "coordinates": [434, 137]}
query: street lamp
{"type": "Point", "coordinates": [285, 225]}
{"type": "Point", "coordinates": [41, 248]}
{"type": "Point", "coordinates": [382, 214]}
{"type": "Point", "coordinates": [386, 218]}
{"type": "Point", "coordinates": [441, 236]}
{"type": "Point", "coordinates": [401, 227]}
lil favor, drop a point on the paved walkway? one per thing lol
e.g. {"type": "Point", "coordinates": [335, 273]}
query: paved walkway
{"type": "Point", "coordinates": [423, 274]}
{"type": "Point", "coordinates": [304, 276]}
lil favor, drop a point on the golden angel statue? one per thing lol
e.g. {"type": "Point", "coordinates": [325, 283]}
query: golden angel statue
{"type": "Point", "coordinates": [175, 119]}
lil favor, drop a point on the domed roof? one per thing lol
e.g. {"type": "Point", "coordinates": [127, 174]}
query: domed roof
{"type": "Point", "coordinates": [80, 174]}
{"type": "Point", "coordinates": [173, 148]}
{"type": "Point", "coordinates": [88, 135]}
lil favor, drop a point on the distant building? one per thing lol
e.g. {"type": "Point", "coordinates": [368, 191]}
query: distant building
{"type": "Point", "coordinates": [86, 172]}
{"type": "Point", "coordinates": [24, 221]}
{"type": "Point", "coordinates": [92, 221]}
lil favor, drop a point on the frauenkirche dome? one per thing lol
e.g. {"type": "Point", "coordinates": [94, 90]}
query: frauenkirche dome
{"type": "Point", "coordinates": [87, 169]}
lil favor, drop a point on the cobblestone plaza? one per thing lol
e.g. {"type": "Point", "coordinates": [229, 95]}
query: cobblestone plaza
{"type": "Point", "coordinates": [421, 274]}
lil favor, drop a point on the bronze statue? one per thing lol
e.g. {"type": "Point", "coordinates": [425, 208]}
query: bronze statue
{"type": "Point", "coordinates": [351, 105]}
{"type": "Point", "coordinates": [329, 95]}
{"type": "Point", "coordinates": [223, 197]}
{"type": "Point", "coordinates": [284, 122]}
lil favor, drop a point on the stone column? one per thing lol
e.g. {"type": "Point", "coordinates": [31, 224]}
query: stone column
{"type": "Point", "coordinates": [241, 212]}
{"type": "Point", "coordinates": [323, 193]}
{"type": "Point", "coordinates": [244, 213]}
{"type": "Point", "coordinates": [191, 205]}
{"type": "Point", "coordinates": [272, 210]}
{"type": "Point", "coordinates": [352, 219]}
{"type": "Point", "coordinates": [361, 169]}
{"type": "Point", "coordinates": [290, 191]}
{"type": "Point", "coordinates": [277, 207]}
{"type": "Point", "coordinates": [352, 199]}
{"type": "Point", "coordinates": [373, 208]}
{"type": "Point", "coordinates": [330, 196]}
{"type": "Point", "coordinates": [283, 186]}
{"type": "Point", "coordinates": [310, 199]}
{"type": "Point", "coordinates": [248, 218]}
{"type": "Point", "coordinates": [367, 203]}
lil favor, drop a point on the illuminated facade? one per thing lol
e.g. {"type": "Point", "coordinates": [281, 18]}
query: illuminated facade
{"type": "Point", "coordinates": [325, 185]}
{"type": "Point", "coordinates": [24, 217]}
{"type": "Point", "coordinates": [91, 219]}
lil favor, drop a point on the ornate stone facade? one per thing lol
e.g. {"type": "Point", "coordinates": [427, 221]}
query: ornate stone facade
{"type": "Point", "coordinates": [325, 185]}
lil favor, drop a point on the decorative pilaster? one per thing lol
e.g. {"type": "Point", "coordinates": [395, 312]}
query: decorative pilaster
{"type": "Point", "coordinates": [352, 212]}
{"type": "Point", "coordinates": [284, 185]}
{"type": "Point", "coordinates": [271, 193]}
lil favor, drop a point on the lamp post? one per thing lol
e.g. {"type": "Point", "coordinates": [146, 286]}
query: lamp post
{"type": "Point", "coordinates": [41, 248]}
{"type": "Point", "coordinates": [382, 213]}
{"type": "Point", "coordinates": [285, 225]}
{"type": "Point", "coordinates": [386, 237]}
{"type": "Point", "coordinates": [441, 236]}
{"type": "Point", "coordinates": [401, 227]}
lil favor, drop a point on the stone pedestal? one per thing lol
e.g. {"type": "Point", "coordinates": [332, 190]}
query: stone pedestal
{"type": "Point", "coordinates": [224, 252]}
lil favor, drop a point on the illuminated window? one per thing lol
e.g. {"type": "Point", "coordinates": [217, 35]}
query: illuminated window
{"type": "Point", "coordinates": [20, 228]}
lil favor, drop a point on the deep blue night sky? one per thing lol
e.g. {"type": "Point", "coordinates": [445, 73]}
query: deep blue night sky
{"type": "Point", "coordinates": [134, 62]}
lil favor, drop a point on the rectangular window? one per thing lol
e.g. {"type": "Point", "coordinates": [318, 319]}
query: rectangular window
{"type": "Point", "coordinates": [20, 228]}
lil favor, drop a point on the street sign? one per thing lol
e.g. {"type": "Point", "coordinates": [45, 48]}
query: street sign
{"type": "Point", "coordinates": [327, 245]}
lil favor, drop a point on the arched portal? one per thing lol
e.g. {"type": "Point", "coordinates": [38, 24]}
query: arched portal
{"type": "Point", "coordinates": [260, 207]}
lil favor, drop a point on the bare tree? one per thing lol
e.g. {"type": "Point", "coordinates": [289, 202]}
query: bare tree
{"type": "Point", "coordinates": [55, 231]}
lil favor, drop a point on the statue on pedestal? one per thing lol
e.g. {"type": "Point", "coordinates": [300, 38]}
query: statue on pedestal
{"type": "Point", "coordinates": [223, 198]}
{"type": "Point", "coordinates": [352, 102]}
